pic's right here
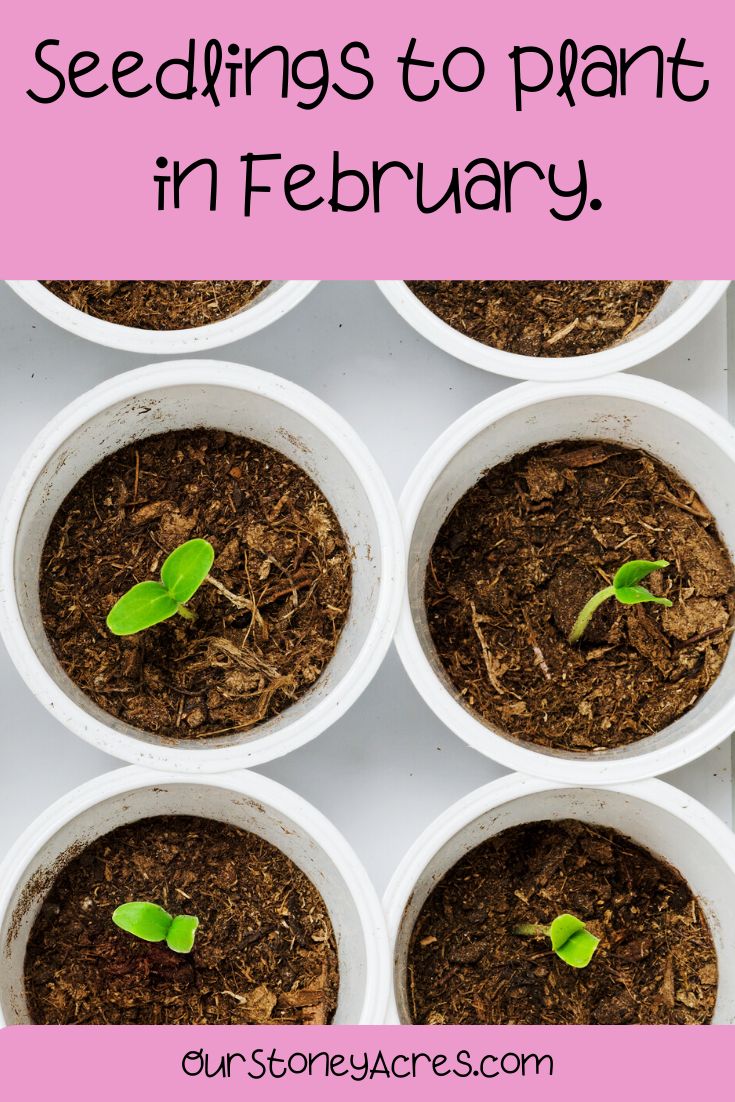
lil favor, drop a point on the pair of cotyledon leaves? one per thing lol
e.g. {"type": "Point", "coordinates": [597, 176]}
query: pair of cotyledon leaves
{"type": "Point", "coordinates": [572, 941]}
{"type": "Point", "coordinates": [628, 592]}
{"type": "Point", "coordinates": [149, 603]}
{"type": "Point", "coordinates": [625, 589]}
{"type": "Point", "coordinates": [150, 922]}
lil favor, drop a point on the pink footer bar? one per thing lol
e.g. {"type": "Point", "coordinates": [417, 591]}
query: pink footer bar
{"type": "Point", "coordinates": [144, 1063]}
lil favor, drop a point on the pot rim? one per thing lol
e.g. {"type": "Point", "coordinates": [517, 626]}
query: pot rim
{"type": "Point", "coordinates": [249, 784]}
{"type": "Point", "coordinates": [459, 815]}
{"type": "Point", "coordinates": [485, 739]}
{"type": "Point", "coordinates": [337, 700]}
{"type": "Point", "coordinates": [554, 369]}
{"type": "Point", "coordinates": [263, 311]}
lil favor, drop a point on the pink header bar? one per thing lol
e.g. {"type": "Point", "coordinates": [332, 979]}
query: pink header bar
{"type": "Point", "coordinates": [616, 165]}
{"type": "Point", "coordinates": [549, 1063]}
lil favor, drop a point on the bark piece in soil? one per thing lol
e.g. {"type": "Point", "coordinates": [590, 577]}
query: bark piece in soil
{"type": "Point", "coordinates": [519, 556]}
{"type": "Point", "coordinates": [656, 963]}
{"type": "Point", "coordinates": [158, 304]}
{"type": "Point", "coordinates": [264, 953]}
{"type": "Point", "coordinates": [542, 317]}
{"type": "Point", "coordinates": [278, 545]}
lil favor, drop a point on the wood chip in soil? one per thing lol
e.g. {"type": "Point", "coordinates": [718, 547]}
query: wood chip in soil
{"type": "Point", "coordinates": [264, 953]}
{"type": "Point", "coordinates": [542, 317]}
{"type": "Point", "coordinates": [158, 304]}
{"type": "Point", "coordinates": [656, 963]}
{"type": "Point", "coordinates": [520, 555]}
{"type": "Point", "coordinates": [279, 549]}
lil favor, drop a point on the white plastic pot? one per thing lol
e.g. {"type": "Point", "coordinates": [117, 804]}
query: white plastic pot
{"type": "Point", "coordinates": [244, 800]}
{"type": "Point", "coordinates": [657, 816]}
{"type": "Point", "coordinates": [681, 307]}
{"type": "Point", "coordinates": [264, 407]}
{"type": "Point", "coordinates": [669, 424]}
{"type": "Point", "coordinates": [277, 299]}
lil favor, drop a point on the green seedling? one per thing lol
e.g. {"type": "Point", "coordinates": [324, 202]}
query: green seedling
{"type": "Point", "coordinates": [150, 922]}
{"type": "Point", "coordinates": [570, 939]}
{"type": "Point", "coordinates": [625, 589]}
{"type": "Point", "coordinates": [149, 603]}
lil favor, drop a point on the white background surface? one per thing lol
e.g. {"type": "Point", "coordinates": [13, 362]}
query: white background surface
{"type": "Point", "coordinates": [388, 767]}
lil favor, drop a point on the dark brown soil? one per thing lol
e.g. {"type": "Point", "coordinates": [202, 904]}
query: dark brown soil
{"type": "Point", "coordinates": [279, 549]}
{"type": "Point", "coordinates": [520, 555]}
{"type": "Point", "coordinates": [264, 952]}
{"type": "Point", "coordinates": [542, 317]}
{"type": "Point", "coordinates": [158, 304]}
{"type": "Point", "coordinates": [656, 963]}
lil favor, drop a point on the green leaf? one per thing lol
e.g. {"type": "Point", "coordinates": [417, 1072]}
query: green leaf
{"type": "Point", "coordinates": [180, 936]}
{"type": "Point", "coordinates": [144, 605]}
{"type": "Point", "coordinates": [625, 589]}
{"type": "Point", "coordinates": [150, 603]}
{"type": "Point", "coordinates": [638, 595]}
{"type": "Point", "coordinates": [186, 568]}
{"type": "Point", "coordinates": [562, 928]}
{"type": "Point", "coordinates": [147, 921]}
{"type": "Point", "coordinates": [635, 571]}
{"type": "Point", "coordinates": [572, 941]}
{"type": "Point", "coordinates": [579, 950]}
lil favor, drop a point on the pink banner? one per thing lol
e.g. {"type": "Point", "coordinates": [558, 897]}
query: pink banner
{"type": "Point", "coordinates": [84, 1063]}
{"type": "Point", "coordinates": [386, 139]}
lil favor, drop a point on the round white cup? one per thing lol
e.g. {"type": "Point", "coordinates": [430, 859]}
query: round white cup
{"type": "Point", "coordinates": [656, 815]}
{"type": "Point", "coordinates": [681, 307]}
{"type": "Point", "coordinates": [669, 424]}
{"type": "Point", "coordinates": [277, 299]}
{"type": "Point", "coordinates": [244, 800]}
{"type": "Point", "coordinates": [264, 407]}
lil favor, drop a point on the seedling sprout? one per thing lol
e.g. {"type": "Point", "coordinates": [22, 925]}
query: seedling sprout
{"type": "Point", "coordinates": [625, 589]}
{"type": "Point", "coordinates": [149, 603]}
{"type": "Point", "coordinates": [149, 922]}
{"type": "Point", "coordinates": [570, 939]}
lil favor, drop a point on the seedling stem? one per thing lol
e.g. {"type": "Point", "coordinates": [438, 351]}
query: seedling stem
{"type": "Point", "coordinates": [625, 588]}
